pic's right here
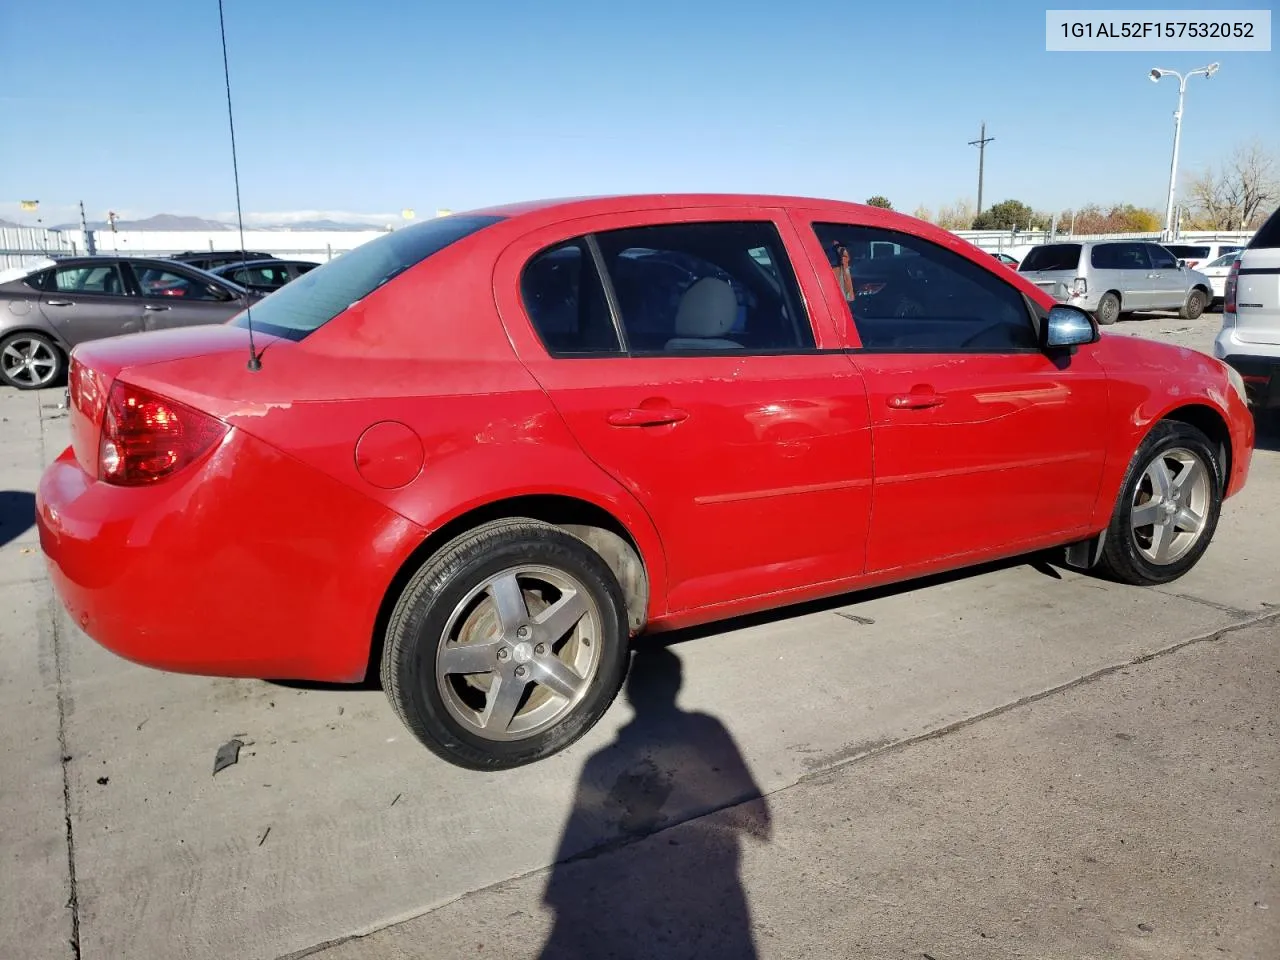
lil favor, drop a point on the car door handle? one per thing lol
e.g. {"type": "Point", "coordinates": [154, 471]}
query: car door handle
{"type": "Point", "coordinates": [647, 417]}
{"type": "Point", "coordinates": [154, 308]}
{"type": "Point", "coordinates": [59, 303]}
{"type": "Point", "coordinates": [916, 400]}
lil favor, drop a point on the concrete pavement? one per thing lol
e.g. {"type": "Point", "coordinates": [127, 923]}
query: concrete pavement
{"type": "Point", "coordinates": [335, 824]}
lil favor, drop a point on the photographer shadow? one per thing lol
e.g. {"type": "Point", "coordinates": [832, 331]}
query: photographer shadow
{"type": "Point", "coordinates": [676, 895]}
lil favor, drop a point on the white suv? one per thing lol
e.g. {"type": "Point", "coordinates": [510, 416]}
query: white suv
{"type": "Point", "coordinates": [1250, 335]}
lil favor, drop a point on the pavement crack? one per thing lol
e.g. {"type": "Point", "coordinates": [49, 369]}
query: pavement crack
{"type": "Point", "coordinates": [1226, 608]}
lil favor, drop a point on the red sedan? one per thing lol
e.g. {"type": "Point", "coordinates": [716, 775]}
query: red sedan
{"type": "Point", "coordinates": [480, 453]}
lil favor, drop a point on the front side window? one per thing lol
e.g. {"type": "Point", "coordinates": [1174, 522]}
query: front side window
{"type": "Point", "coordinates": [99, 280]}
{"type": "Point", "coordinates": [308, 303]}
{"type": "Point", "coordinates": [705, 287]}
{"type": "Point", "coordinates": [924, 298]}
{"type": "Point", "coordinates": [1161, 259]}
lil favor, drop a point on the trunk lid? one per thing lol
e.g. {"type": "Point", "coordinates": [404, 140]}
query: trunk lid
{"type": "Point", "coordinates": [97, 364]}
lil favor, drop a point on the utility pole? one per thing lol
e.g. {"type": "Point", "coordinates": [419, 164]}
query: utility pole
{"type": "Point", "coordinates": [981, 144]}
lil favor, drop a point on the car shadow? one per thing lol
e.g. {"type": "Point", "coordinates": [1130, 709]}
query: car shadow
{"type": "Point", "coordinates": [17, 514]}
{"type": "Point", "coordinates": [1267, 423]}
{"type": "Point", "coordinates": [675, 896]}
{"type": "Point", "coordinates": [1044, 562]}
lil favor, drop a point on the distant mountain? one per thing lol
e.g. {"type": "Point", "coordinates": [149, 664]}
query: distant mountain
{"type": "Point", "coordinates": [9, 223]}
{"type": "Point", "coordinates": [161, 221]}
{"type": "Point", "coordinates": [172, 221]}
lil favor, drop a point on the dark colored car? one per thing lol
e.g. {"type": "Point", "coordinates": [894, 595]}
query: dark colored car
{"type": "Point", "coordinates": [46, 313]}
{"type": "Point", "coordinates": [211, 259]}
{"type": "Point", "coordinates": [263, 276]}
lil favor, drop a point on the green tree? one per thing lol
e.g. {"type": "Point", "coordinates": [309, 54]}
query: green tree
{"type": "Point", "coordinates": [880, 201]}
{"type": "Point", "coordinates": [1006, 215]}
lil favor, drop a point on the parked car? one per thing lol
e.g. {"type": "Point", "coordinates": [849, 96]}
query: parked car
{"type": "Point", "coordinates": [209, 259]}
{"type": "Point", "coordinates": [1008, 261]}
{"type": "Point", "coordinates": [44, 314]}
{"type": "Point", "coordinates": [1197, 255]}
{"type": "Point", "coordinates": [478, 454]}
{"type": "Point", "coordinates": [1112, 278]}
{"type": "Point", "coordinates": [1216, 271]}
{"type": "Point", "coordinates": [264, 275]}
{"type": "Point", "coordinates": [1250, 336]}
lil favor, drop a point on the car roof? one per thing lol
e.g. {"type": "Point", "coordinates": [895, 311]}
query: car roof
{"type": "Point", "coordinates": [569, 207]}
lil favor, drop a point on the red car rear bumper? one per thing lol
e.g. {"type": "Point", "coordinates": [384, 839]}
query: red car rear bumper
{"type": "Point", "coordinates": [246, 564]}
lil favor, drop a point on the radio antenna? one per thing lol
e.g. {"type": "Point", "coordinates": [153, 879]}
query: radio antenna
{"type": "Point", "coordinates": [255, 361]}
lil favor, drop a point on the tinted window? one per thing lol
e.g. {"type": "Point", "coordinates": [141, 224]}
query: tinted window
{"type": "Point", "coordinates": [1119, 256]}
{"type": "Point", "coordinates": [156, 282]}
{"type": "Point", "coordinates": [1185, 251]}
{"type": "Point", "coordinates": [565, 300]}
{"type": "Point", "coordinates": [271, 276]}
{"type": "Point", "coordinates": [927, 299]}
{"type": "Point", "coordinates": [301, 268]}
{"type": "Point", "coordinates": [97, 279]}
{"type": "Point", "coordinates": [1161, 259]}
{"type": "Point", "coordinates": [719, 287]}
{"type": "Point", "coordinates": [301, 307]}
{"type": "Point", "coordinates": [39, 281]}
{"type": "Point", "coordinates": [1051, 256]}
{"type": "Point", "coordinates": [1268, 235]}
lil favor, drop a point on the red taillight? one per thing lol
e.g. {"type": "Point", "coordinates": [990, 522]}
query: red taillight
{"type": "Point", "coordinates": [146, 437]}
{"type": "Point", "coordinates": [1229, 293]}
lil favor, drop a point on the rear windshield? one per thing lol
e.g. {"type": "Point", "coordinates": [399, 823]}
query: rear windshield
{"type": "Point", "coordinates": [1268, 235]}
{"type": "Point", "coordinates": [308, 303]}
{"type": "Point", "coordinates": [1051, 256]}
{"type": "Point", "coordinates": [1186, 251]}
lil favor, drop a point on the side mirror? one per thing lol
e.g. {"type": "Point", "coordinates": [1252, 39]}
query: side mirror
{"type": "Point", "coordinates": [1069, 327]}
{"type": "Point", "coordinates": [1182, 264]}
{"type": "Point", "coordinates": [219, 293]}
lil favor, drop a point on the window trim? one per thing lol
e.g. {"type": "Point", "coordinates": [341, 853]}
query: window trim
{"type": "Point", "coordinates": [1034, 320]}
{"type": "Point", "coordinates": [626, 352]}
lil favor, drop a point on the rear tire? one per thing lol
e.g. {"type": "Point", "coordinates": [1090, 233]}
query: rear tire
{"type": "Point", "coordinates": [1175, 481]}
{"type": "Point", "coordinates": [1108, 311]}
{"type": "Point", "coordinates": [30, 361]}
{"type": "Point", "coordinates": [506, 646]}
{"type": "Point", "coordinates": [1196, 302]}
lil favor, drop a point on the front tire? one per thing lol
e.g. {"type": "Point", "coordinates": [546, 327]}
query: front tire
{"type": "Point", "coordinates": [1168, 507]}
{"type": "Point", "coordinates": [1196, 302]}
{"type": "Point", "coordinates": [1108, 311]}
{"type": "Point", "coordinates": [506, 646]}
{"type": "Point", "coordinates": [29, 361]}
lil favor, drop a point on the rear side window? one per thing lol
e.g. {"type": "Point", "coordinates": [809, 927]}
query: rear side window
{"type": "Point", "coordinates": [1268, 235]}
{"type": "Point", "coordinates": [311, 301]}
{"type": "Point", "coordinates": [1119, 256]}
{"type": "Point", "coordinates": [705, 288]}
{"type": "Point", "coordinates": [565, 300]}
{"type": "Point", "coordinates": [1051, 256]}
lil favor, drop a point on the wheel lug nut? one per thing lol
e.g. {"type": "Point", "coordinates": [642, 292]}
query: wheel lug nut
{"type": "Point", "coordinates": [521, 671]}
{"type": "Point", "coordinates": [540, 649]}
{"type": "Point", "coordinates": [503, 653]}
{"type": "Point", "coordinates": [523, 633]}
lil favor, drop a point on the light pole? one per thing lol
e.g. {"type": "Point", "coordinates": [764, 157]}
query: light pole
{"type": "Point", "coordinates": [1156, 76]}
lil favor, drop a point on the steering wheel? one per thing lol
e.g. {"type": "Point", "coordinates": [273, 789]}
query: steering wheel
{"type": "Point", "coordinates": [906, 307]}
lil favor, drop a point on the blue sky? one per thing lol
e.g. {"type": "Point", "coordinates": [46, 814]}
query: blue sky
{"type": "Point", "coordinates": [373, 106]}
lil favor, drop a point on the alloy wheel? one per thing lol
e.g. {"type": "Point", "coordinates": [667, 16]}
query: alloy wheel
{"type": "Point", "coordinates": [29, 362]}
{"type": "Point", "coordinates": [519, 653]}
{"type": "Point", "coordinates": [1170, 506]}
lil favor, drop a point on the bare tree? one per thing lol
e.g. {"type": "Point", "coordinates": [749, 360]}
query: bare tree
{"type": "Point", "coordinates": [957, 216]}
{"type": "Point", "coordinates": [1238, 195]}
{"type": "Point", "coordinates": [923, 213]}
